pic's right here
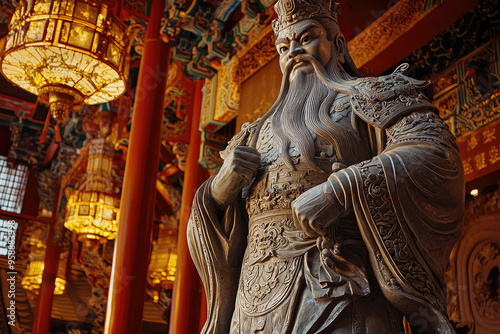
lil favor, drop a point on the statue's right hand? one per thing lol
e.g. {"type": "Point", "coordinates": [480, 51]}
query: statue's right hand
{"type": "Point", "coordinates": [236, 172]}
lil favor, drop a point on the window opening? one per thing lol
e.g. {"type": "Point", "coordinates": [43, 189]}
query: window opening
{"type": "Point", "coordinates": [13, 180]}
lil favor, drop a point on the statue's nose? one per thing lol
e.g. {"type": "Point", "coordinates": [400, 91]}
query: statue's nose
{"type": "Point", "coordinates": [295, 49]}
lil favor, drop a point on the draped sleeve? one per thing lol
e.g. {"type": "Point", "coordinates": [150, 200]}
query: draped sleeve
{"type": "Point", "coordinates": [409, 202]}
{"type": "Point", "coordinates": [217, 240]}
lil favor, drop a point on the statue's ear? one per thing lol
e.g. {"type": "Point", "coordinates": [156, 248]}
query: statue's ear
{"type": "Point", "coordinates": [340, 47]}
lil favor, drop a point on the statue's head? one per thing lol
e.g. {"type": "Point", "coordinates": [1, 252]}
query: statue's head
{"type": "Point", "coordinates": [316, 67]}
{"type": "Point", "coordinates": [310, 27]}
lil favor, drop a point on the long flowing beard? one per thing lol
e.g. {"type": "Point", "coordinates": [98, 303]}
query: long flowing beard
{"type": "Point", "coordinates": [306, 110]}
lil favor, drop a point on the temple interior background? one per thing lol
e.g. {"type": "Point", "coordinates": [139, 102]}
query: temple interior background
{"type": "Point", "coordinates": [61, 176]}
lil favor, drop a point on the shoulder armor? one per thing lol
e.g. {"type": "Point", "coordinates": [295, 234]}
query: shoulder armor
{"type": "Point", "coordinates": [380, 101]}
{"type": "Point", "coordinates": [242, 138]}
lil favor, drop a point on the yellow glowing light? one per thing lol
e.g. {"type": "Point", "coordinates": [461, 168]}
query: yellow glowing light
{"type": "Point", "coordinates": [60, 286]}
{"type": "Point", "coordinates": [474, 192]}
{"type": "Point", "coordinates": [164, 259]}
{"type": "Point", "coordinates": [67, 53]}
{"type": "Point", "coordinates": [93, 212]}
{"type": "Point", "coordinates": [33, 277]}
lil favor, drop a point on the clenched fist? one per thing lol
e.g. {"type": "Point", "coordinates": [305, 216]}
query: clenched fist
{"type": "Point", "coordinates": [238, 169]}
{"type": "Point", "coordinates": [316, 209]}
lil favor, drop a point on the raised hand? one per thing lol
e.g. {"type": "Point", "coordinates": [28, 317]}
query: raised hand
{"type": "Point", "coordinates": [316, 209]}
{"type": "Point", "coordinates": [236, 172]}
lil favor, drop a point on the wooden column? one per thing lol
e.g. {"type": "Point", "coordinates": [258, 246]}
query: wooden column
{"type": "Point", "coordinates": [185, 315]}
{"type": "Point", "coordinates": [133, 241]}
{"type": "Point", "coordinates": [43, 308]}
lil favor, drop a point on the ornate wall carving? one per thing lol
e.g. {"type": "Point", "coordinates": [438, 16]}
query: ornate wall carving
{"type": "Point", "coordinates": [221, 94]}
{"type": "Point", "coordinates": [473, 274]}
{"type": "Point", "coordinates": [464, 37]}
{"type": "Point", "coordinates": [399, 19]}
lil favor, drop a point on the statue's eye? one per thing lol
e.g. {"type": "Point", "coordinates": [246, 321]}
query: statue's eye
{"type": "Point", "coordinates": [305, 39]}
{"type": "Point", "coordinates": [283, 49]}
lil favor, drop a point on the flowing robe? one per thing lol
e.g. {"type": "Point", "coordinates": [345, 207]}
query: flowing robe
{"type": "Point", "coordinates": [407, 206]}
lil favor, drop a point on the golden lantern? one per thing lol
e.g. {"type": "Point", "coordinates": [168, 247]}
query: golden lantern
{"type": "Point", "coordinates": [32, 280]}
{"type": "Point", "coordinates": [93, 212]}
{"type": "Point", "coordinates": [61, 275]}
{"type": "Point", "coordinates": [163, 260]}
{"type": "Point", "coordinates": [68, 52]}
{"type": "Point", "coordinates": [34, 273]}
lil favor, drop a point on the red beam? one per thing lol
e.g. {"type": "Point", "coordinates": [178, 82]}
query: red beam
{"type": "Point", "coordinates": [13, 215]}
{"type": "Point", "coordinates": [16, 105]}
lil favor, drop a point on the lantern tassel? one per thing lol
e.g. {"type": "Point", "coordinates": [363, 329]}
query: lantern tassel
{"type": "Point", "coordinates": [58, 133]}
{"type": "Point", "coordinates": [43, 136]}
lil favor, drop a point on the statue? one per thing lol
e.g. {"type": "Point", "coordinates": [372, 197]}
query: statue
{"type": "Point", "coordinates": [336, 212]}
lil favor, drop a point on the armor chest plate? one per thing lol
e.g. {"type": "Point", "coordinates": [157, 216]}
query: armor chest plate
{"type": "Point", "coordinates": [273, 258]}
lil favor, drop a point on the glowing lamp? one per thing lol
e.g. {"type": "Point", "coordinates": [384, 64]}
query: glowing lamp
{"type": "Point", "coordinates": [32, 280]}
{"type": "Point", "coordinates": [93, 213]}
{"type": "Point", "coordinates": [163, 260]}
{"type": "Point", "coordinates": [61, 275]}
{"type": "Point", "coordinates": [68, 52]}
{"type": "Point", "coordinates": [34, 273]}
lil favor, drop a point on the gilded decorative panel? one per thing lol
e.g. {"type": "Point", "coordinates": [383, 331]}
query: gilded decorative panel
{"type": "Point", "coordinates": [228, 95]}
{"type": "Point", "coordinates": [467, 93]}
{"type": "Point", "coordinates": [221, 94]}
{"type": "Point", "coordinates": [211, 145]}
{"type": "Point", "coordinates": [399, 19]}
{"type": "Point", "coordinates": [208, 105]}
{"type": "Point", "coordinates": [473, 272]}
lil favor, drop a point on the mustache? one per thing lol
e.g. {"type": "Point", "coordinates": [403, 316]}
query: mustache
{"type": "Point", "coordinates": [333, 80]}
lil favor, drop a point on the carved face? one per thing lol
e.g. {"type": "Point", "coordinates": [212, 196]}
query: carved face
{"type": "Point", "coordinates": [304, 37]}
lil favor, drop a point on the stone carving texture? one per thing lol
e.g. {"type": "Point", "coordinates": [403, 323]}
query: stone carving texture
{"type": "Point", "coordinates": [394, 239]}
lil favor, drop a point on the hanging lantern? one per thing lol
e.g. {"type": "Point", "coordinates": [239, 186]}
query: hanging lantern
{"type": "Point", "coordinates": [34, 273]}
{"type": "Point", "coordinates": [163, 260]}
{"type": "Point", "coordinates": [32, 280]}
{"type": "Point", "coordinates": [68, 53]}
{"type": "Point", "coordinates": [61, 275]}
{"type": "Point", "coordinates": [93, 212]}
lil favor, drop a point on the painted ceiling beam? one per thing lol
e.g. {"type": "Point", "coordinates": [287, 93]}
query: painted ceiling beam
{"type": "Point", "coordinates": [22, 216]}
{"type": "Point", "coordinates": [405, 27]}
{"type": "Point", "coordinates": [17, 106]}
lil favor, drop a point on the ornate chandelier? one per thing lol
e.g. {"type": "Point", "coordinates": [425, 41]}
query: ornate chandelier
{"type": "Point", "coordinates": [93, 213]}
{"type": "Point", "coordinates": [163, 261]}
{"type": "Point", "coordinates": [68, 53]}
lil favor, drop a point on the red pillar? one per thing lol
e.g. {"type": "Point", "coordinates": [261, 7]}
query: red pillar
{"type": "Point", "coordinates": [41, 323]}
{"type": "Point", "coordinates": [132, 245]}
{"type": "Point", "coordinates": [203, 309]}
{"type": "Point", "coordinates": [185, 315]}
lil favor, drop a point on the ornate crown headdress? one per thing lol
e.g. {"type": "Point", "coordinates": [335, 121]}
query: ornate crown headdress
{"type": "Point", "coordinates": [292, 11]}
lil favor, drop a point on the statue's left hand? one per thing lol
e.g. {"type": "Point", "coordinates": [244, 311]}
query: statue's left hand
{"type": "Point", "coordinates": [316, 209]}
